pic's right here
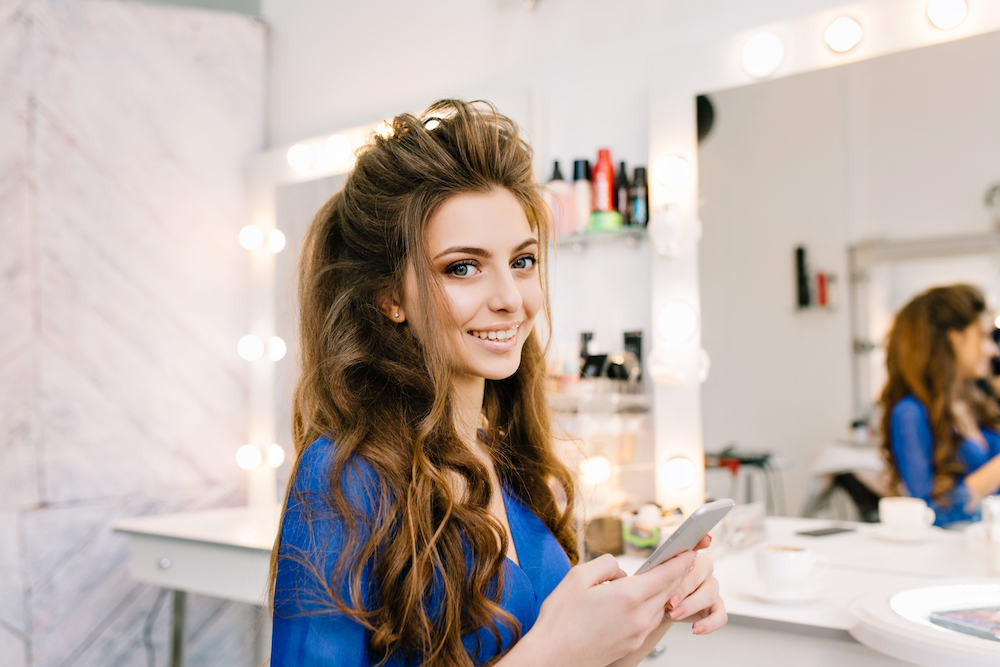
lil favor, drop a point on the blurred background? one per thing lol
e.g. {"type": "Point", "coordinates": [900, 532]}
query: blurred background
{"type": "Point", "coordinates": [128, 134]}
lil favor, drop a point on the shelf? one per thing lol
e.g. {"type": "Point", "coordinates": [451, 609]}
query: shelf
{"type": "Point", "coordinates": [610, 403]}
{"type": "Point", "coordinates": [631, 235]}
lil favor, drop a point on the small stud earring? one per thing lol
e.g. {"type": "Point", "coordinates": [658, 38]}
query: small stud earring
{"type": "Point", "coordinates": [396, 315]}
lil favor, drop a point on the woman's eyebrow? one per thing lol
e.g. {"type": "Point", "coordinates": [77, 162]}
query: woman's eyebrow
{"type": "Point", "coordinates": [480, 252]}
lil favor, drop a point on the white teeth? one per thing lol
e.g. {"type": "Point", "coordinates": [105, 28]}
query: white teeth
{"type": "Point", "coordinates": [495, 335]}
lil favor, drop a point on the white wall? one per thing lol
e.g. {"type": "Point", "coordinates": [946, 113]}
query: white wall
{"type": "Point", "coordinates": [900, 147]}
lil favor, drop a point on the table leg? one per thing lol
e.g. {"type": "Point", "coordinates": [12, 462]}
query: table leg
{"type": "Point", "coordinates": [262, 636]}
{"type": "Point", "coordinates": [177, 629]}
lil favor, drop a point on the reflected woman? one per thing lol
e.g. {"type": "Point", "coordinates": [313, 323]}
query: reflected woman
{"type": "Point", "coordinates": [942, 434]}
{"type": "Point", "coordinates": [428, 520]}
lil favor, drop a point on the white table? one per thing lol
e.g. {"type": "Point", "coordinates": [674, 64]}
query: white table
{"type": "Point", "coordinates": [224, 553]}
{"type": "Point", "coordinates": [820, 632]}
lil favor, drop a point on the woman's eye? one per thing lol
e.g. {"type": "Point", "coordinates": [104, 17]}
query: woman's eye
{"type": "Point", "coordinates": [462, 270]}
{"type": "Point", "coordinates": [525, 262]}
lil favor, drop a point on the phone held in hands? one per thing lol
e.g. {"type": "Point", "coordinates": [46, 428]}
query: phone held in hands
{"type": "Point", "coordinates": [690, 532]}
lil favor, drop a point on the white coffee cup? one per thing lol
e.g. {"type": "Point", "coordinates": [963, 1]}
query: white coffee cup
{"type": "Point", "coordinates": [905, 517]}
{"type": "Point", "coordinates": [784, 569]}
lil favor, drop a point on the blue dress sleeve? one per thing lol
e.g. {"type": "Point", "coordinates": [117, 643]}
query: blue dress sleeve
{"type": "Point", "coordinates": [913, 446]}
{"type": "Point", "coordinates": [307, 630]}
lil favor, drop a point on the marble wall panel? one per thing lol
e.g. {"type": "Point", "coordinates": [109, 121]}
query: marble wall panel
{"type": "Point", "coordinates": [15, 255]}
{"type": "Point", "coordinates": [13, 648]}
{"type": "Point", "coordinates": [19, 474]}
{"type": "Point", "coordinates": [13, 614]}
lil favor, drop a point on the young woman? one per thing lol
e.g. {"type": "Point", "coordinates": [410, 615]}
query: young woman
{"type": "Point", "coordinates": [428, 520]}
{"type": "Point", "coordinates": [941, 431]}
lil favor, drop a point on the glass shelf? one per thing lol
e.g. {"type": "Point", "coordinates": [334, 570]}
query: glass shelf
{"type": "Point", "coordinates": [631, 235]}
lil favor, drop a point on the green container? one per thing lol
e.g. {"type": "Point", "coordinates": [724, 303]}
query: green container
{"type": "Point", "coordinates": [605, 221]}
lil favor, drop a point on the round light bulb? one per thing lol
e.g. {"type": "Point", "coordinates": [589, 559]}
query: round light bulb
{"type": "Point", "coordinates": [996, 322]}
{"type": "Point", "coordinates": [251, 347]}
{"type": "Point", "coordinates": [251, 237]}
{"type": "Point", "coordinates": [677, 322]}
{"type": "Point", "coordinates": [843, 34]}
{"type": "Point", "coordinates": [667, 231]}
{"type": "Point", "coordinates": [432, 124]}
{"type": "Point", "coordinates": [338, 148]}
{"type": "Point", "coordinates": [276, 349]}
{"type": "Point", "coordinates": [300, 157]}
{"type": "Point", "coordinates": [595, 470]}
{"type": "Point", "coordinates": [275, 241]}
{"type": "Point", "coordinates": [674, 172]}
{"type": "Point", "coordinates": [946, 14]}
{"type": "Point", "coordinates": [762, 54]}
{"type": "Point", "coordinates": [678, 473]}
{"type": "Point", "coordinates": [248, 457]}
{"type": "Point", "coordinates": [275, 455]}
{"type": "Point", "coordinates": [384, 130]}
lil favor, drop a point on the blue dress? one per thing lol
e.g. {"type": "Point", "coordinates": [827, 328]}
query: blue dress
{"type": "Point", "coordinates": [307, 633]}
{"type": "Point", "coordinates": [913, 445]}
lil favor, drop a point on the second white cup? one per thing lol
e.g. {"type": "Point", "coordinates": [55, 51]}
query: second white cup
{"type": "Point", "coordinates": [784, 569]}
{"type": "Point", "coordinates": [905, 517]}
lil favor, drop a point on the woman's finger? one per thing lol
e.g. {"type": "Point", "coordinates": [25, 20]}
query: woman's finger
{"type": "Point", "coordinates": [702, 570]}
{"type": "Point", "coordinates": [704, 544]}
{"type": "Point", "coordinates": [715, 619]}
{"type": "Point", "coordinates": [702, 598]}
{"type": "Point", "coordinates": [664, 578]}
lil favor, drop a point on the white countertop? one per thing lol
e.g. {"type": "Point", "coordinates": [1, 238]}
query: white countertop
{"type": "Point", "coordinates": [247, 527]}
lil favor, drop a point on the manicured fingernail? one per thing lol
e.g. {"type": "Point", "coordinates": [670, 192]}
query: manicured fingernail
{"type": "Point", "coordinates": [693, 561]}
{"type": "Point", "coordinates": [674, 601]}
{"type": "Point", "coordinates": [678, 612]}
{"type": "Point", "coordinates": [697, 629]}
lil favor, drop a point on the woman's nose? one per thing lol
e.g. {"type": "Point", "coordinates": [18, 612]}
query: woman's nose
{"type": "Point", "coordinates": [506, 297]}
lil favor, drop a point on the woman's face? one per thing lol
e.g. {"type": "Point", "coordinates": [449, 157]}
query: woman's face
{"type": "Point", "coordinates": [486, 254]}
{"type": "Point", "coordinates": [974, 347]}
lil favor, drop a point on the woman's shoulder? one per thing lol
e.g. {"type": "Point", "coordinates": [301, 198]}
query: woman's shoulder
{"type": "Point", "coordinates": [909, 408]}
{"type": "Point", "coordinates": [358, 480]}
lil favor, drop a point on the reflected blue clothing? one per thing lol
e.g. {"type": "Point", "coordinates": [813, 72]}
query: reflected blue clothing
{"type": "Point", "coordinates": [913, 446]}
{"type": "Point", "coordinates": [307, 633]}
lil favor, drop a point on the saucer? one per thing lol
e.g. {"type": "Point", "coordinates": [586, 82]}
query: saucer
{"type": "Point", "coordinates": [806, 593]}
{"type": "Point", "coordinates": [881, 532]}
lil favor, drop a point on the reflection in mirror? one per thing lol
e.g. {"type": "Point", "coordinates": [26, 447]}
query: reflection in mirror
{"type": "Point", "coordinates": [877, 153]}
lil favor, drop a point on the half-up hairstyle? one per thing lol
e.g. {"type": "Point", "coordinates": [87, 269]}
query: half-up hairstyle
{"type": "Point", "coordinates": [920, 361]}
{"type": "Point", "coordinates": [384, 398]}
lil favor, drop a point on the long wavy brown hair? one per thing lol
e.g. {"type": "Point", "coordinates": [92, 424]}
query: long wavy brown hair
{"type": "Point", "coordinates": [383, 396]}
{"type": "Point", "coordinates": [921, 362]}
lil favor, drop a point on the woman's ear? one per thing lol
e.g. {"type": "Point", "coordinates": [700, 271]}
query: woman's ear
{"type": "Point", "coordinates": [393, 311]}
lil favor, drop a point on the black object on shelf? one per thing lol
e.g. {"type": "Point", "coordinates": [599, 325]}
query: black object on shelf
{"type": "Point", "coordinates": [802, 277]}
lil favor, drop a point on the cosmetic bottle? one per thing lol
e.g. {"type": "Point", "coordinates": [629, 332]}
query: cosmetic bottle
{"type": "Point", "coordinates": [621, 194]}
{"type": "Point", "coordinates": [603, 182]}
{"type": "Point", "coordinates": [639, 198]}
{"type": "Point", "coordinates": [559, 196]}
{"type": "Point", "coordinates": [582, 195]}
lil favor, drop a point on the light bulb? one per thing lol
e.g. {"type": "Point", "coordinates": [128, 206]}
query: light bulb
{"type": "Point", "coordinates": [248, 457]}
{"type": "Point", "coordinates": [762, 54]}
{"type": "Point", "coordinates": [595, 470]}
{"type": "Point", "coordinates": [251, 347]}
{"type": "Point", "coordinates": [678, 473]}
{"type": "Point", "coordinates": [996, 322]}
{"type": "Point", "coordinates": [275, 241]}
{"type": "Point", "coordinates": [667, 231]}
{"type": "Point", "coordinates": [843, 34]}
{"type": "Point", "coordinates": [946, 14]}
{"type": "Point", "coordinates": [384, 130]}
{"type": "Point", "coordinates": [677, 322]}
{"type": "Point", "coordinates": [338, 148]}
{"type": "Point", "coordinates": [275, 455]}
{"type": "Point", "coordinates": [674, 172]}
{"type": "Point", "coordinates": [704, 365]}
{"type": "Point", "coordinates": [432, 124]}
{"type": "Point", "coordinates": [276, 349]}
{"type": "Point", "coordinates": [300, 157]}
{"type": "Point", "coordinates": [251, 237]}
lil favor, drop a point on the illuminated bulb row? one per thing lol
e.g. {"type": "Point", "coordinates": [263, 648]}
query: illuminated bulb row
{"type": "Point", "coordinates": [337, 150]}
{"type": "Point", "coordinates": [251, 348]}
{"type": "Point", "coordinates": [764, 52]}
{"type": "Point", "coordinates": [250, 457]}
{"type": "Point", "coordinates": [676, 474]}
{"type": "Point", "coordinates": [252, 237]}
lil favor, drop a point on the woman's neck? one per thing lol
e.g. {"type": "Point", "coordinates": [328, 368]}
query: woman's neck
{"type": "Point", "coordinates": [468, 404]}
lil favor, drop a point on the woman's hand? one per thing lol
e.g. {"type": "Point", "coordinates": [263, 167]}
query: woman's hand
{"type": "Point", "coordinates": [597, 614]}
{"type": "Point", "coordinates": [697, 600]}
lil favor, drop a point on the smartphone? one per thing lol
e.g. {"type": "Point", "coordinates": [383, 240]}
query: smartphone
{"type": "Point", "coordinates": [690, 533]}
{"type": "Point", "coordinates": [823, 532]}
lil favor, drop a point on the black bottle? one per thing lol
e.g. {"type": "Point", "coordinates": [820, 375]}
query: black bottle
{"type": "Point", "coordinates": [621, 194]}
{"type": "Point", "coordinates": [639, 199]}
